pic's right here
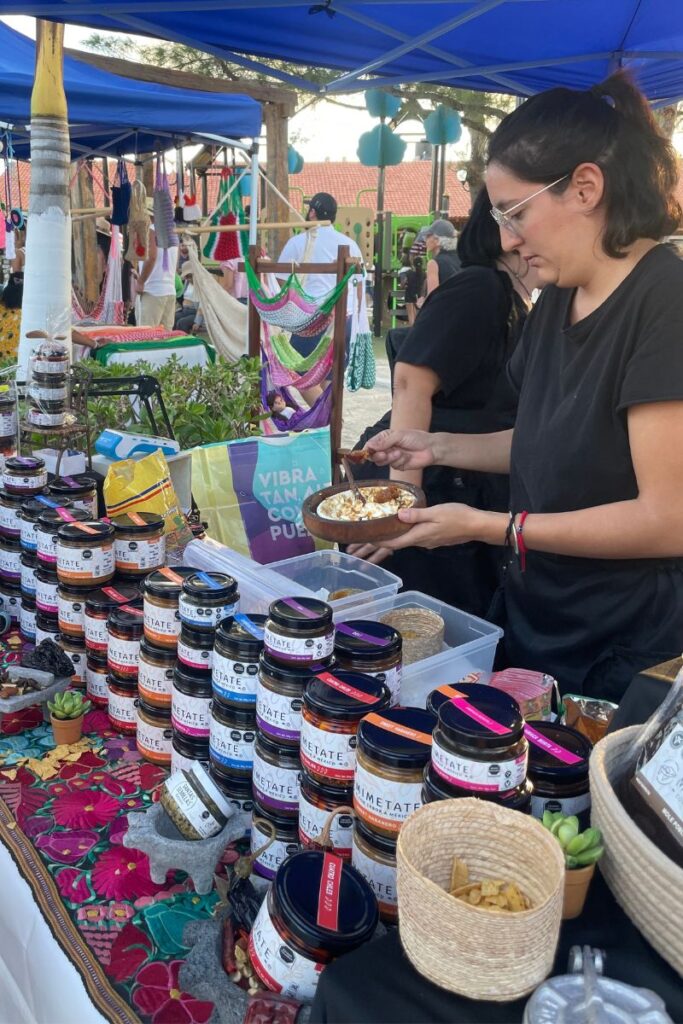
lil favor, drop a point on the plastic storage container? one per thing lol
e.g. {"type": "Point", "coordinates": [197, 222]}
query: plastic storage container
{"type": "Point", "coordinates": [341, 580]}
{"type": "Point", "coordinates": [469, 644]}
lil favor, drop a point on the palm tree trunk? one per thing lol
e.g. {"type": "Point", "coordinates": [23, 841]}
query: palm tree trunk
{"type": "Point", "coordinates": [47, 274]}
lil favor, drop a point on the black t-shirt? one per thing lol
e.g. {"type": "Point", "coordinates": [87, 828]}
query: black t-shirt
{"type": "Point", "coordinates": [593, 623]}
{"type": "Point", "coordinates": [448, 262]}
{"type": "Point", "coordinates": [462, 334]}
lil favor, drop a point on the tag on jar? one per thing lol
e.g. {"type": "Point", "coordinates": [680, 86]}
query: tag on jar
{"type": "Point", "coordinates": [328, 895]}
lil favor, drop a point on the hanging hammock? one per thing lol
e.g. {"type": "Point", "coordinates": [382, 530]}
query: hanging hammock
{"type": "Point", "coordinates": [110, 307]}
{"type": "Point", "coordinates": [283, 376]}
{"type": "Point", "coordinates": [292, 309]}
{"type": "Point", "coordinates": [227, 245]}
{"type": "Point", "coordinates": [361, 371]}
{"type": "Point", "coordinates": [225, 316]}
{"type": "Point", "coordinates": [318, 415]}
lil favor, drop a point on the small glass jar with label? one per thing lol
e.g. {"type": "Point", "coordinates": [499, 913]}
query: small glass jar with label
{"type": "Point", "coordinates": [78, 491]}
{"type": "Point", "coordinates": [285, 843]}
{"type": "Point", "coordinates": [31, 511]}
{"type": "Point", "coordinates": [98, 605]}
{"type": "Point", "coordinates": [47, 388]}
{"type": "Point", "coordinates": [10, 514]}
{"type": "Point", "coordinates": [207, 598]}
{"type": "Point", "coordinates": [478, 744]}
{"type": "Point", "coordinates": [71, 611]}
{"type": "Point", "coordinates": [10, 561]}
{"type": "Point", "coordinates": [237, 789]}
{"type": "Point", "coordinates": [299, 631]}
{"type": "Point", "coordinates": [316, 802]}
{"type": "Point", "coordinates": [27, 620]}
{"type": "Point", "coordinates": [51, 358]}
{"type": "Point", "coordinates": [24, 475]}
{"type": "Point", "coordinates": [374, 857]}
{"type": "Point", "coordinates": [276, 773]}
{"type": "Point", "coordinates": [46, 591]}
{"type": "Point", "coordinates": [124, 627]}
{"type": "Point", "coordinates": [122, 704]}
{"type": "Point", "coordinates": [156, 666]}
{"type": "Point", "coordinates": [194, 803]}
{"type": "Point", "coordinates": [29, 564]}
{"type": "Point", "coordinates": [374, 648]}
{"type": "Point", "coordinates": [139, 543]}
{"type": "Point", "coordinates": [96, 675]}
{"type": "Point", "coordinates": [153, 734]}
{"type": "Point", "coordinates": [296, 934]}
{"type": "Point", "coordinates": [558, 770]}
{"type": "Point", "coordinates": [187, 750]}
{"type": "Point", "coordinates": [47, 414]}
{"type": "Point", "coordinates": [8, 418]}
{"type": "Point", "coordinates": [436, 788]}
{"type": "Point", "coordinates": [231, 738]}
{"type": "Point", "coordinates": [279, 697]}
{"type": "Point", "coordinates": [11, 600]}
{"type": "Point", "coordinates": [75, 650]}
{"type": "Point", "coordinates": [333, 707]}
{"type": "Point", "coordinates": [161, 591]}
{"type": "Point", "coordinates": [393, 749]}
{"type": "Point", "coordinates": [238, 643]}
{"type": "Point", "coordinates": [85, 553]}
{"type": "Point", "coordinates": [191, 702]}
{"type": "Point", "coordinates": [47, 627]}
{"type": "Point", "coordinates": [48, 528]}
{"type": "Point", "coordinates": [195, 648]}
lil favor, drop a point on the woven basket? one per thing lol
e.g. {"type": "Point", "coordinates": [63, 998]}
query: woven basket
{"type": "Point", "coordinates": [478, 953]}
{"type": "Point", "coordinates": [426, 627]}
{"type": "Point", "coordinates": [643, 880]}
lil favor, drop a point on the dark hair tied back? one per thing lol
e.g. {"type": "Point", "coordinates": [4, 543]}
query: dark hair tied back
{"type": "Point", "coordinates": [610, 125]}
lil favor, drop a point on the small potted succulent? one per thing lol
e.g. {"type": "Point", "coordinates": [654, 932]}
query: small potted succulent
{"type": "Point", "coordinates": [66, 715]}
{"type": "Point", "coordinates": [582, 850]}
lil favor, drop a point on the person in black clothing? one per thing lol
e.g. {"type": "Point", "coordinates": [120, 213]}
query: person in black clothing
{"type": "Point", "coordinates": [448, 377]}
{"type": "Point", "coordinates": [413, 282]}
{"type": "Point", "coordinates": [442, 244]}
{"type": "Point", "coordinates": [583, 186]}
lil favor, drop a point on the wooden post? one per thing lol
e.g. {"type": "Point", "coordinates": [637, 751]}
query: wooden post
{"type": "Point", "coordinates": [254, 320]}
{"type": "Point", "coordinates": [339, 345]}
{"type": "Point", "coordinates": [205, 193]}
{"type": "Point", "coordinates": [86, 265]}
{"type": "Point", "coordinates": [276, 148]}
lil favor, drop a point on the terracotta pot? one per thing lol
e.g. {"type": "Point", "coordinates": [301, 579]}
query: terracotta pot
{"type": "Point", "coordinates": [576, 882]}
{"type": "Point", "coordinates": [66, 730]}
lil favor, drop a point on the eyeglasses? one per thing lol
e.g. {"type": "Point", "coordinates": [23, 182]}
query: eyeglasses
{"type": "Point", "coordinates": [502, 219]}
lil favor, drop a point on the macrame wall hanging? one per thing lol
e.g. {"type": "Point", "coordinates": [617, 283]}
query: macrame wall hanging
{"type": "Point", "coordinates": [138, 223]}
{"type": "Point", "coordinates": [164, 224]}
{"type": "Point", "coordinates": [120, 195]}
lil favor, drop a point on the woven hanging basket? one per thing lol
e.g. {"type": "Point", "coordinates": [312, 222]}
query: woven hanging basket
{"type": "Point", "coordinates": [644, 881]}
{"type": "Point", "coordinates": [478, 953]}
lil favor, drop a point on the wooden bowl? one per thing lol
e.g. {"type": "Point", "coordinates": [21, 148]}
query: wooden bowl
{"type": "Point", "coordinates": [369, 532]}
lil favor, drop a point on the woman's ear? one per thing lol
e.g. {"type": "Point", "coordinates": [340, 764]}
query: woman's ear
{"type": "Point", "coordinates": [588, 186]}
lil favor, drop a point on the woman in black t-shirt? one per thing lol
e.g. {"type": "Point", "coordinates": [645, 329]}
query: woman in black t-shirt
{"type": "Point", "coordinates": [583, 187]}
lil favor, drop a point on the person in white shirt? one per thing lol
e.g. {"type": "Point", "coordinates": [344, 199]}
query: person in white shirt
{"type": "Point", "coordinates": [156, 286]}
{"type": "Point", "coordinates": [322, 206]}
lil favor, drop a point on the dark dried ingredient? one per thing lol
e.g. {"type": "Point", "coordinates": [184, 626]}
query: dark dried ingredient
{"type": "Point", "coordinates": [357, 455]}
{"type": "Point", "coordinates": [390, 493]}
{"type": "Point", "coordinates": [48, 657]}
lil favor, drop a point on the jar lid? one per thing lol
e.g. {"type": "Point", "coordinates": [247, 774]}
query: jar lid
{"type": "Point", "coordinates": [11, 543]}
{"type": "Point", "coordinates": [105, 598]}
{"type": "Point", "coordinates": [50, 517]}
{"type": "Point", "coordinates": [138, 522]}
{"type": "Point", "coordinates": [385, 844]}
{"type": "Point", "coordinates": [127, 616]}
{"type": "Point", "coordinates": [201, 638]}
{"type": "Point", "coordinates": [278, 750]}
{"type": "Point", "coordinates": [47, 622]}
{"type": "Point", "coordinates": [164, 654]}
{"type": "Point", "coordinates": [167, 582]}
{"type": "Point", "coordinates": [29, 559]}
{"type": "Point", "coordinates": [297, 891]}
{"type": "Point", "coordinates": [65, 640]}
{"type": "Point", "coordinates": [348, 696]}
{"type": "Point", "coordinates": [128, 684]}
{"type": "Point", "coordinates": [235, 787]}
{"type": "Point", "coordinates": [206, 783]}
{"type": "Point", "coordinates": [490, 718]}
{"type": "Point", "coordinates": [300, 613]}
{"type": "Point", "coordinates": [8, 587]}
{"type": "Point", "coordinates": [517, 799]}
{"type": "Point", "coordinates": [196, 747]}
{"type": "Point", "coordinates": [216, 586]}
{"type": "Point", "coordinates": [91, 532]}
{"type": "Point", "coordinates": [371, 641]}
{"type": "Point", "coordinates": [194, 678]}
{"type": "Point", "coordinates": [46, 573]}
{"type": "Point", "coordinates": [564, 754]}
{"type": "Point", "coordinates": [24, 463]}
{"type": "Point", "coordinates": [29, 603]}
{"type": "Point", "coordinates": [99, 658]}
{"type": "Point", "coordinates": [75, 484]}
{"type": "Point", "coordinates": [239, 639]}
{"type": "Point", "coordinates": [10, 498]}
{"type": "Point", "coordinates": [231, 714]}
{"type": "Point", "coordinates": [291, 674]}
{"type": "Point", "coordinates": [162, 715]}
{"type": "Point", "coordinates": [341, 795]}
{"type": "Point", "coordinates": [282, 823]}
{"type": "Point", "coordinates": [33, 508]}
{"type": "Point", "coordinates": [401, 737]}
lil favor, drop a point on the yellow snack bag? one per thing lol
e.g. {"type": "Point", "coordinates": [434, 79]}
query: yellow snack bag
{"type": "Point", "coordinates": [144, 485]}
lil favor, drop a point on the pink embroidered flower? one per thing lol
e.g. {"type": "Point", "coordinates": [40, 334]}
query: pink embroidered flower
{"type": "Point", "coordinates": [113, 785]}
{"type": "Point", "coordinates": [86, 809]}
{"type": "Point", "coordinates": [165, 894]}
{"type": "Point", "coordinates": [159, 996]}
{"type": "Point", "coordinates": [119, 913]}
{"type": "Point", "coordinates": [117, 830]}
{"type": "Point", "coordinates": [122, 874]}
{"type": "Point", "coordinates": [67, 847]}
{"type": "Point", "coordinates": [73, 885]}
{"type": "Point", "coordinates": [85, 763]}
{"type": "Point", "coordinates": [92, 914]}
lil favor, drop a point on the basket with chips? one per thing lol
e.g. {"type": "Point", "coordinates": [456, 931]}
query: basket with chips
{"type": "Point", "coordinates": [644, 881]}
{"type": "Point", "coordinates": [480, 893]}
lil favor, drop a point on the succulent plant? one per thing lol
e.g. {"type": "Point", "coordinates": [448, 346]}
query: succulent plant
{"type": "Point", "coordinates": [580, 848]}
{"type": "Point", "coordinates": [69, 704]}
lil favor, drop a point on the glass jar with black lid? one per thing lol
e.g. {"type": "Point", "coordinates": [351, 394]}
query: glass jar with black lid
{"type": "Point", "coordinates": [436, 788]}
{"type": "Point", "coordinates": [374, 648]}
{"type": "Point", "coordinates": [187, 750]}
{"type": "Point", "coordinates": [266, 823]}
{"type": "Point", "coordinates": [231, 739]}
{"type": "Point", "coordinates": [191, 702]}
{"type": "Point", "coordinates": [558, 769]}
{"type": "Point", "coordinates": [206, 599]}
{"type": "Point", "coordinates": [79, 490]}
{"type": "Point", "coordinates": [238, 642]}
{"type": "Point", "coordinates": [299, 630]}
{"type": "Point", "coordinates": [279, 696]}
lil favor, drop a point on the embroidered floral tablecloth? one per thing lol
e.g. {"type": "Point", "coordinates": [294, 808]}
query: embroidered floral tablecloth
{"type": "Point", "coordinates": [122, 931]}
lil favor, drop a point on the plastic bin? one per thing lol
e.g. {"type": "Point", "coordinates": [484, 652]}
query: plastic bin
{"type": "Point", "coordinates": [469, 644]}
{"type": "Point", "coordinates": [324, 572]}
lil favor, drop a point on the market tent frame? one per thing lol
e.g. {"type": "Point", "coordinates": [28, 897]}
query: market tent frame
{"type": "Point", "coordinates": [465, 43]}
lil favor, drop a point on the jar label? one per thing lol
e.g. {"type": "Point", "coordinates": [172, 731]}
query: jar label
{"type": "Point", "coordinates": [47, 545]}
{"type": "Point", "coordinates": [43, 634]}
{"type": "Point", "coordinates": [9, 520]}
{"type": "Point", "coordinates": [28, 580]}
{"type": "Point", "coordinates": [123, 655]}
{"type": "Point", "coordinates": [280, 967]}
{"type": "Point", "coordinates": [10, 562]}
{"type": "Point", "coordinates": [141, 555]}
{"type": "Point", "coordinates": [96, 632]}
{"type": "Point", "coordinates": [204, 615]}
{"type": "Point", "coordinates": [27, 622]}
{"type": "Point", "coordinates": [190, 715]}
{"type": "Point", "coordinates": [8, 423]}
{"type": "Point", "coordinates": [51, 366]}
{"type": "Point", "coordinates": [46, 596]}
{"type": "Point", "coordinates": [481, 776]}
{"type": "Point", "coordinates": [12, 606]}
{"type": "Point", "coordinates": [565, 805]}
{"type": "Point", "coordinates": [78, 661]}
{"type": "Point", "coordinates": [276, 787]}
{"type": "Point", "coordinates": [86, 564]}
{"type": "Point", "coordinates": [384, 803]}
{"type": "Point", "coordinates": [191, 806]}
{"type": "Point", "coordinates": [29, 536]}
{"type": "Point", "coordinates": [299, 649]}
{"type": "Point", "coordinates": [193, 656]}
{"type": "Point", "coordinates": [391, 677]}
{"type": "Point", "coordinates": [312, 821]}
{"type": "Point", "coordinates": [181, 763]}
{"type": "Point", "coordinates": [43, 394]}
{"type": "Point", "coordinates": [380, 877]}
{"type": "Point", "coordinates": [122, 708]}
{"type": "Point", "coordinates": [96, 686]}
{"type": "Point", "coordinates": [88, 505]}
{"type": "Point", "coordinates": [71, 613]}
{"type": "Point", "coordinates": [234, 680]}
{"type": "Point", "coordinates": [267, 863]}
{"type": "Point", "coordinates": [155, 679]}
{"type": "Point", "coordinates": [46, 419]}
{"type": "Point", "coordinates": [278, 715]}
{"type": "Point", "coordinates": [154, 740]}
{"type": "Point", "coordinates": [14, 482]}
{"type": "Point", "coordinates": [331, 754]}
{"type": "Point", "coordinates": [231, 747]}
{"type": "Point", "coordinates": [161, 624]}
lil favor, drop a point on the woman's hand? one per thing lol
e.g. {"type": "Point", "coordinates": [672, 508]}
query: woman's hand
{"type": "Point", "coordinates": [403, 449]}
{"type": "Point", "coordinates": [443, 525]}
{"type": "Point", "coordinates": [370, 552]}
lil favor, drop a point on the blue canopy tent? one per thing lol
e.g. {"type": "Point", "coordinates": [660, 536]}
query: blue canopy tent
{"type": "Point", "coordinates": [513, 46]}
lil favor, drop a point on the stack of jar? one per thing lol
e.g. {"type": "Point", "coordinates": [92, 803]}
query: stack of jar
{"type": "Point", "coordinates": [8, 420]}
{"type": "Point", "coordinates": [48, 394]}
{"type": "Point", "coordinates": [22, 478]}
